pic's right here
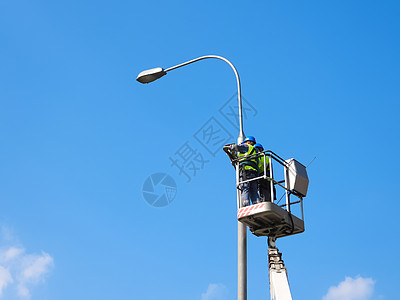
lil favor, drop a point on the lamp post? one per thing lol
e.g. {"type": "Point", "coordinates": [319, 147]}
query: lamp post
{"type": "Point", "coordinates": [148, 76]}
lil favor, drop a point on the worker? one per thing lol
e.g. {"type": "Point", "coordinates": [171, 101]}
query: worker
{"type": "Point", "coordinates": [264, 185]}
{"type": "Point", "coordinates": [248, 169]}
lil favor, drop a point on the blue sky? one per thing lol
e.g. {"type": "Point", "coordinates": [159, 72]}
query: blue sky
{"type": "Point", "coordinates": [79, 137]}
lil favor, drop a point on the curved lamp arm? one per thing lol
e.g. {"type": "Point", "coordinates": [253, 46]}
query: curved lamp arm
{"type": "Point", "coordinates": [156, 73]}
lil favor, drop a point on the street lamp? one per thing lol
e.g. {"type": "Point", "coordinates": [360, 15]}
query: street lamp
{"type": "Point", "coordinates": [151, 75]}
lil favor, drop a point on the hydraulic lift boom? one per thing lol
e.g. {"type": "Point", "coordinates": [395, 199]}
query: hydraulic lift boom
{"type": "Point", "coordinates": [278, 280]}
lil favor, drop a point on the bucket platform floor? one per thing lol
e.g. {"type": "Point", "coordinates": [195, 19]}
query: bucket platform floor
{"type": "Point", "coordinates": [269, 219]}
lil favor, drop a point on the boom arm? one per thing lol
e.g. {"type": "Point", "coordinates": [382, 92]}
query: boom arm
{"type": "Point", "coordinates": [278, 280]}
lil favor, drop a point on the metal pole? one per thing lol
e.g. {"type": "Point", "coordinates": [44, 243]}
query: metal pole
{"type": "Point", "coordinates": [242, 261]}
{"type": "Point", "coordinates": [242, 244]}
{"type": "Point", "coordinates": [242, 229]}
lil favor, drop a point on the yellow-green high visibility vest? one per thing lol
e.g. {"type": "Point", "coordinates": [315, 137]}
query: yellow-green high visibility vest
{"type": "Point", "coordinates": [261, 164]}
{"type": "Point", "coordinates": [249, 164]}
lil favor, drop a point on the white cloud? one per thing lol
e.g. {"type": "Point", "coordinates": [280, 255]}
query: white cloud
{"type": "Point", "coordinates": [215, 291]}
{"type": "Point", "coordinates": [357, 288]}
{"type": "Point", "coordinates": [5, 279]}
{"type": "Point", "coordinates": [34, 269]}
{"type": "Point", "coordinates": [23, 291]}
{"type": "Point", "coordinates": [6, 234]}
{"type": "Point", "coordinates": [36, 266]}
{"type": "Point", "coordinates": [10, 253]}
{"type": "Point", "coordinates": [17, 267]}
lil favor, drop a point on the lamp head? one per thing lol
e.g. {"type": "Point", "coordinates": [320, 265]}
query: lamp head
{"type": "Point", "coordinates": [150, 75]}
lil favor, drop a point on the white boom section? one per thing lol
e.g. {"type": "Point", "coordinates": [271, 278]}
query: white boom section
{"type": "Point", "coordinates": [280, 286]}
{"type": "Point", "coordinates": [278, 280]}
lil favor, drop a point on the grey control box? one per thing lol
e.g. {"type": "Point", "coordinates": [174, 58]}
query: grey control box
{"type": "Point", "coordinates": [297, 177]}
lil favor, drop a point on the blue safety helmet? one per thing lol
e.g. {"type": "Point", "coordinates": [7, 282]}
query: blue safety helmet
{"type": "Point", "coordinates": [250, 138]}
{"type": "Point", "coordinates": [258, 145]}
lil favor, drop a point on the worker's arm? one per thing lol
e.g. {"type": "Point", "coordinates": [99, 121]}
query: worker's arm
{"type": "Point", "coordinates": [242, 148]}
